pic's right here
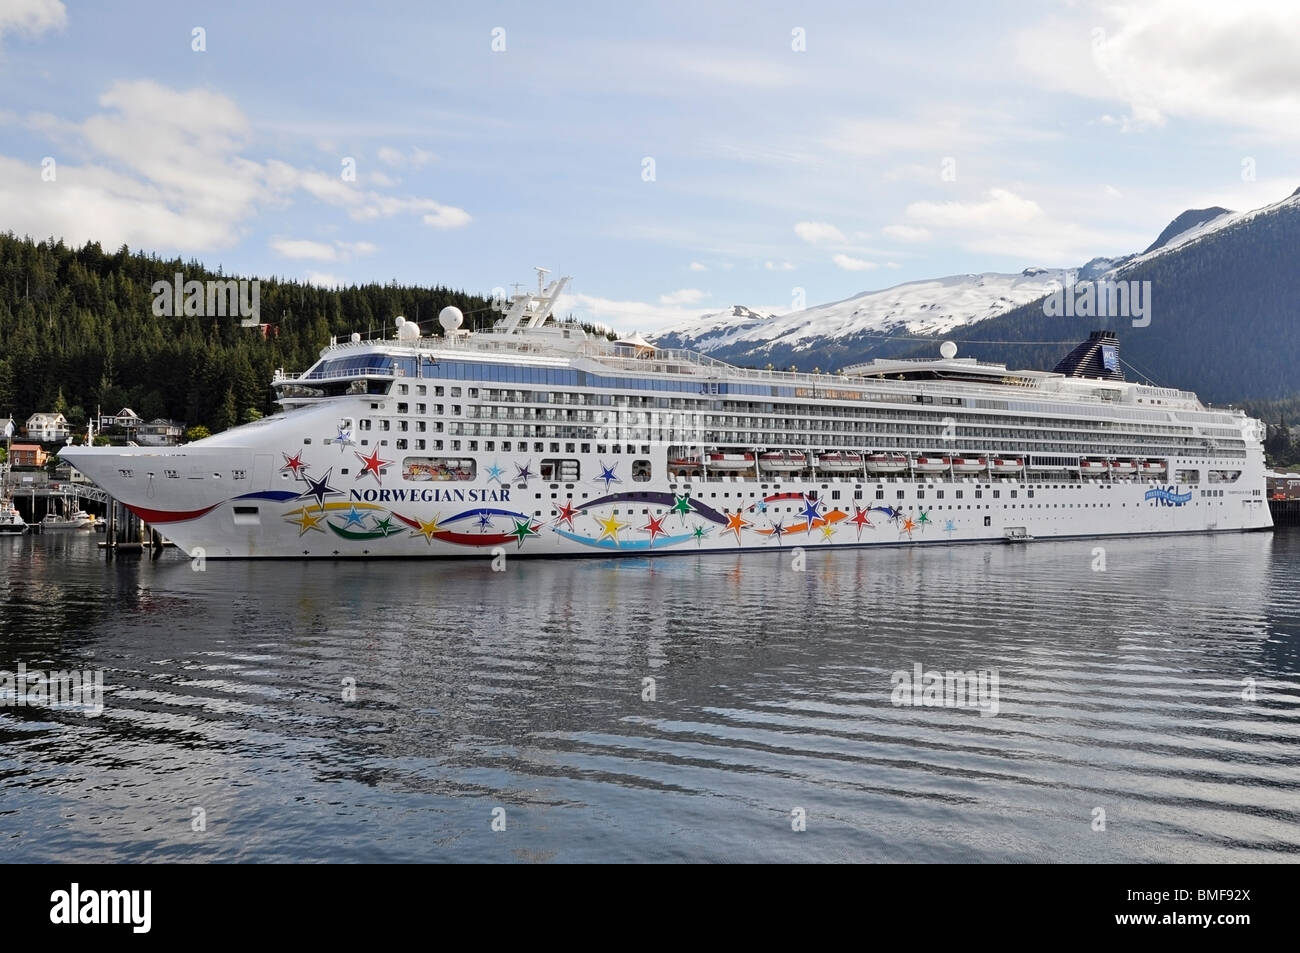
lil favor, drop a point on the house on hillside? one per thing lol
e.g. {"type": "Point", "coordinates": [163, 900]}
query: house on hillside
{"type": "Point", "coordinates": [27, 455]}
{"type": "Point", "coordinates": [47, 428]}
{"type": "Point", "coordinates": [126, 418]}
{"type": "Point", "coordinates": [160, 433]}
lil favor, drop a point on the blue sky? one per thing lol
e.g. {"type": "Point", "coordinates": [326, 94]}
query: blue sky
{"type": "Point", "coordinates": [901, 142]}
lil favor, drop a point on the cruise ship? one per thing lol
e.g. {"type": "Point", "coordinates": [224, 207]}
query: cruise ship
{"type": "Point", "coordinates": [534, 437]}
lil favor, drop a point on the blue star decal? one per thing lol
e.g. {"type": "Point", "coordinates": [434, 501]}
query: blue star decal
{"type": "Point", "coordinates": [344, 438]}
{"type": "Point", "coordinates": [484, 523]}
{"type": "Point", "coordinates": [810, 510]}
{"type": "Point", "coordinates": [354, 515]}
{"type": "Point", "coordinates": [948, 527]}
{"type": "Point", "coordinates": [494, 472]}
{"type": "Point", "coordinates": [607, 474]}
{"type": "Point", "coordinates": [777, 530]}
{"type": "Point", "coordinates": [525, 474]}
{"type": "Point", "coordinates": [319, 489]}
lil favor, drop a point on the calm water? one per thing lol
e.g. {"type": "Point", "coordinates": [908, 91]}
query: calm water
{"type": "Point", "coordinates": [1120, 690]}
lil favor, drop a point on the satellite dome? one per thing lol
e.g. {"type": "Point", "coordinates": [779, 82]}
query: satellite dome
{"type": "Point", "coordinates": [948, 350]}
{"type": "Point", "coordinates": [450, 318]}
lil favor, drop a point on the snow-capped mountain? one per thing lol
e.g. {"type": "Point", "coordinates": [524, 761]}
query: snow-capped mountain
{"type": "Point", "coordinates": [933, 306]}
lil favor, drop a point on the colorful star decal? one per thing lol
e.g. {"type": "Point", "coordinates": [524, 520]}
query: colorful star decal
{"type": "Point", "coordinates": [344, 438]}
{"type": "Point", "coordinates": [682, 505]}
{"type": "Point", "coordinates": [655, 528]}
{"type": "Point", "coordinates": [319, 489]}
{"type": "Point", "coordinates": [306, 519]}
{"type": "Point", "coordinates": [810, 513]}
{"type": "Point", "coordinates": [524, 474]}
{"type": "Point", "coordinates": [567, 513]}
{"type": "Point", "coordinates": [778, 529]}
{"type": "Point", "coordinates": [735, 523]}
{"type": "Point", "coordinates": [427, 529]}
{"type": "Point", "coordinates": [700, 533]}
{"type": "Point", "coordinates": [294, 463]}
{"type": "Point", "coordinates": [484, 522]}
{"type": "Point", "coordinates": [923, 519]}
{"type": "Point", "coordinates": [607, 475]}
{"type": "Point", "coordinates": [828, 531]}
{"type": "Point", "coordinates": [386, 526]}
{"type": "Point", "coordinates": [609, 528]}
{"type": "Point", "coordinates": [494, 473]}
{"type": "Point", "coordinates": [371, 465]}
{"type": "Point", "coordinates": [354, 515]}
{"type": "Point", "coordinates": [860, 519]}
{"type": "Point", "coordinates": [523, 529]}
{"type": "Point", "coordinates": [908, 525]}
{"type": "Point", "coordinates": [949, 527]}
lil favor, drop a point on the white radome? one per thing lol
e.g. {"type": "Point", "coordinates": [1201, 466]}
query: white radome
{"type": "Point", "coordinates": [450, 318]}
{"type": "Point", "coordinates": [948, 349]}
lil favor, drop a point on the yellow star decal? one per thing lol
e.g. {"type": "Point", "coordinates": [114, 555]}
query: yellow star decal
{"type": "Point", "coordinates": [427, 529]}
{"type": "Point", "coordinates": [610, 528]}
{"type": "Point", "coordinates": [305, 519]}
{"type": "Point", "coordinates": [828, 531]}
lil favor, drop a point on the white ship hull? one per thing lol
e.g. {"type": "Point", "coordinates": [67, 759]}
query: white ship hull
{"type": "Point", "coordinates": [314, 510]}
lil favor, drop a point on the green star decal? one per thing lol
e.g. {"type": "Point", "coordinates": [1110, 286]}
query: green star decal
{"type": "Point", "coordinates": [924, 517]}
{"type": "Point", "coordinates": [700, 533]}
{"type": "Point", "coordinates": [386, 526]}
{"type": "Point", "coordinates": [683, 505]}
{"type": "Point", "coordinates": [522, 531]}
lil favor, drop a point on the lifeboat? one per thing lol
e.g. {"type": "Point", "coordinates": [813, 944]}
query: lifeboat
{"type": "Point", "coordinates": [731, 461]}
{"type": "Point", "coordinates": [1153, 466]}
{"type": "Point", "coordinates": [886, 463]}
{"type": "Point", "coordinates": [788, 461]}
{"type": "Point", "coordinates": [969, 464]}
{"type": "Point", "coordinates": [836, 462]}
{"type": "Point", "coordinates": [931, 464]}
{"type": "Point", "coordinates": [1123, 467]}
{"type": "Point", "coordinates": [684, 463]}
{"type": "Point", "coordinates": [1008, 464]}
{"type": "Point", "coordinates": [1093, 468]}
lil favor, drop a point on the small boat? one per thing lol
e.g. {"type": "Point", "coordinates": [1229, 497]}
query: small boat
{"type": "Point", "coordinates": [969, 464]}
{"type": "Point", "coordinates": [78, 519]}
{"type": "Point", "coordinates": [788, 461]}
{"type": "Point", "coordinates": [1093, 468]}
{"type": "Point", "coordinates": [731, 462]}
{"type": "Point", "coordinates": [1017, 534]}
{"type": "Point", "coordinates": [1123, 467]}
{"type": "Point", "coordinates": [931, 464]}
{"type": "Point", "coordinates": [1153, 466]}
{"type": "Point", "coordinates": [1008, 464]}
{"type": "Point", "coordinates": [836, 462]}
{"type": "Point", "coordinates": [886, 463]}
{"type": "Point", "coordinates": [11, 521]}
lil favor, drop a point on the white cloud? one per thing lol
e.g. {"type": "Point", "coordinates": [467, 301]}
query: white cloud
{"type": "Point", "coordinates": [696, 266]}
{"type": "Point", "coordinates": [907, 233]}
{"type": "Point", "coordinates": [412, 159]}
{"type": "Point", "coordinates": [779, 266]}
{"type": "Point", "coordinates": [321, 251]}
{"type": "Point", "coordinates": [31, 17]}
{"type": "Point", "coordinates": [684, 296]}
{"type": "Point", "coordinates": [627, 316]}
{"type": "Point", "coordinates": [817, 232]}
{"type": "Point", "coordinates": [1002, 208]}
{"type": "Point", "coordinates": [166, 168]}
{"type": "Point", "coordinates": [852, 264]}
{"type": "Point", "coordinates": [1201, 60]}
{"type": "Point", "coordinates": [324, 280]}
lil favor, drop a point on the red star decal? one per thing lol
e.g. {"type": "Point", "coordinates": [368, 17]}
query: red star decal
{"type": "Point", "coordinates": [655, 528]}
{"type": "Point", "coordinates": [567, 513]}
{"type": "Point", "coordinates": [293, 463]}
{"type": "Point", "coordinates": [859, 519]}
{"type": "Point", "coordinates": [372, 464]}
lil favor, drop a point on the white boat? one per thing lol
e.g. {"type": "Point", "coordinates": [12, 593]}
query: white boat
{"type": "Point", "coordinates": [78, 519]}
{"type": "Point", "coordinates": [424, 445]}
{"type": "Point", "coordinates": [11, 521]}
{"type": "Point", "coordinates": [1017, 534]}
{"type": "Point", "coordinates": [1153, 466]}
{"type": "Point", "coordinates": [886, 463]}
{"type": "Point", "coordinates": [788, 461]}
{"type": "Point", "coordinates": [1123, 467]}
{"type": "Point", "coordinates": [730, 462]}
{"type": "Point", "coordinates": [836, 462]}
{"type": "Point", "coordinates": [1094, 468]}
{"type": "Point", "coordinates": [969, 464]}
{"type": "Point", "coordinates": [931, 464]}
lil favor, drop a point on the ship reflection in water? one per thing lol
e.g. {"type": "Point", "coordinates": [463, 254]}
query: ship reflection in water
{"type": "Point", "coordinates": [710, 708]}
